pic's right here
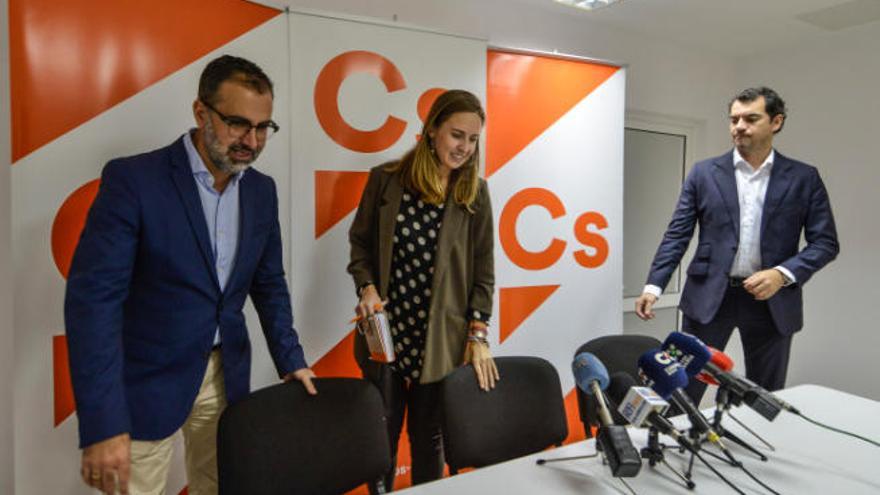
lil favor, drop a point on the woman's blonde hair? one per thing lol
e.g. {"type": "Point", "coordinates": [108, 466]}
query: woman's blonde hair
{"type": "Point", "coordinates": [419, 166]}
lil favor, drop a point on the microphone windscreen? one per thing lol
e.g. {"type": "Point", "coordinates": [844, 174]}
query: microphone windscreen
{"type": "Point", "coordinates": [586, 368]}
{"type": "Point", "coordinates": [662, 373]}
{"type": "Point", "coordinates": [721, 359]}
{"type": "Point", "coordinates": [690, 351]}
{"type": "Point", "coordinates": [618, 386]}
{"type": "Point", "coordinates": [707, 378]}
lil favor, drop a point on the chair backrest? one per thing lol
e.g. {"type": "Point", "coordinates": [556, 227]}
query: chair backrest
{"type": "Point", "coordinates": [617, 353]}
{"type": "Point", "coordinates": [523, 414]}
{"type": "Point", "coordinates": [280, 440]}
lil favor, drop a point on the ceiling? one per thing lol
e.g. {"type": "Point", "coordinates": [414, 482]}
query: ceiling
{"type": "Point", "coordinates": [734, 28]}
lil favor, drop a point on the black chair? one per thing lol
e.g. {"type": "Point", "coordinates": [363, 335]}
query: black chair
{"type": "Point", "coordinates": [523, 414]}
{"type": "Point", "coordinates": [280, 440]}
{"type": "Point", "coordinates": [617, 353]}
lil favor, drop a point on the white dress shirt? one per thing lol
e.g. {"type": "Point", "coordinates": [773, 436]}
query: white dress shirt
{"type": "Point", "coordinates": [751, 187]}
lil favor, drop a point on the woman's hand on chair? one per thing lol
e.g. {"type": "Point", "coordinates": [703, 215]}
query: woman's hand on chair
{"type": "Point", "coordinates": [478, 355]}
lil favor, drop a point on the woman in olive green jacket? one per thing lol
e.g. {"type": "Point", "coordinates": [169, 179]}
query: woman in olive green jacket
{"type": "Point", "coordinates": [421, 247]}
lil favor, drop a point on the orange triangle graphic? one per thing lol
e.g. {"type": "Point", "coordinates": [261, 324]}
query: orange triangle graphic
{"type": "Point", "coordinates": [339, 361]}
{"type": "Point", "coordinates": [517, 303]}
{"type": "Point", "coordinates": [336, 195]}
{"type": "Point", "coordinates": [63, 390]}
{"type": "Point", "coordinates": [70, 61]}
{"type": "Point", "coordinates": [526, 94]}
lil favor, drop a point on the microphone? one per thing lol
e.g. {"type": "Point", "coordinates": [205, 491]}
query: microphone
{"type": "Point", "coordinates": [705, 376]}
{"type": "Point", "coordinates": [703, 359]}
{"type": "Point", "coordinates": [754, 396]}
{"type": "Point", "coordinates": [667, 377]}
{"type": "Point", "coordinates": [641, 406]}
{"type": "Point", "coordinates": [755, 393]}
{"type": "Point", "coordinates": [722, 361]}
{"type": "Point", "coordinates": [592, 377]}
{"type": "Point", "coordinates": [696, 357]}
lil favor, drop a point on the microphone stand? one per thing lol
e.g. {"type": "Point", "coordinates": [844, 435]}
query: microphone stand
{"type": "Point", "coordinates": [694, 449]}
{"type": "Point", "coordinates": [724, 401]}
{"type": "Point", "coordinates": [653, 452]}
{"type": "Point", "coordinates": [743, 426]}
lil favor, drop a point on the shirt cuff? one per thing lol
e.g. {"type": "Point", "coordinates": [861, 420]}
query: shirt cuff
{"type": "Point", "coordinates": [653, 290]}
{"type": "Point", "coordinates": [787, 274]}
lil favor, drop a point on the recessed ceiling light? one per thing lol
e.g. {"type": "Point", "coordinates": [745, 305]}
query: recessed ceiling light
{"type": "Point", "coordinates": [587, 4]}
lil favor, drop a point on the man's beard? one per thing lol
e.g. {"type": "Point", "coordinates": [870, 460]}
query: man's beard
{"type": "Point", "coordinates": [221, 158]}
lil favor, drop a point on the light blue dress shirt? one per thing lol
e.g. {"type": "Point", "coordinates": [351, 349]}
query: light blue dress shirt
{"type": "Point", "coordinates": [221, 215]}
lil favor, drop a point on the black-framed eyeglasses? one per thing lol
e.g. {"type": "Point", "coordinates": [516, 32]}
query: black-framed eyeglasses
{"type": "Point", "coordinates": [240, 126]}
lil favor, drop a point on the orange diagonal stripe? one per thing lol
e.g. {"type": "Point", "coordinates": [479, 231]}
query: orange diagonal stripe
{"type": "Point", "coordinates": [526, 94]}
{"type": "Point", "coordinates": [336, 195]}
{"type": "Point", "coordinates": [517, 303]}
{"type": "Point", "coordinates": [70, 61]}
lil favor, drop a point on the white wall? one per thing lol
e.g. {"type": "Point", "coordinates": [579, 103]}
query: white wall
{"type": "Point", "coordinates": [6, 329]}
{"type": "Point", "coordinates": [832, 89]}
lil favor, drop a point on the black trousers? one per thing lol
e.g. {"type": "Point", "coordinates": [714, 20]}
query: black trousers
{"type": "Point", "coordinates": [421, 406]}
{"type": "Point", "coordinates": [766, 350]}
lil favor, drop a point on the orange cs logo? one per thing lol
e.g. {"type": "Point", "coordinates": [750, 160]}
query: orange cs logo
{"type": "Point", "coordinates": [327, 109]}
{"type": "Point", "coordinates": [531, 260]}
{"type": "Point", "coordinates": [326, 98]}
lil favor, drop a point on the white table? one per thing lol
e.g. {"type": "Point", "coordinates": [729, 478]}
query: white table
{"type": "Point", "coordinates": [807, 460]}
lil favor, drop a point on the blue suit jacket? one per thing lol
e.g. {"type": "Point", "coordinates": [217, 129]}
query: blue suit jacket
{"type": "Point", "coordinates": [796, 201]}
{"type": "Point", "coordinates": [143, 301]}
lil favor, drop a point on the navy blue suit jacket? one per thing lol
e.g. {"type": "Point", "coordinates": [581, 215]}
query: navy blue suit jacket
{"type": "Point", "coordinates": [796, 201]}
{"type": "Point", "coordinates": [143, 301]}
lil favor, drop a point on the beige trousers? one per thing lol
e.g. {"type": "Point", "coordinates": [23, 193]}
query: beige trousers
{"type": "Point", "coordinates": [150, 459]}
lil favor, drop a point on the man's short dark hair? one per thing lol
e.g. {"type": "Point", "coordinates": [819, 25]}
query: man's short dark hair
{"type": "Point", "coordinates": [228, 67]}
{"type": "Point", "coordinates": [773, 103]}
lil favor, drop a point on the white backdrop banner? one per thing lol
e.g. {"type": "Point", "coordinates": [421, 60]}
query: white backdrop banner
{"type": "Point", "coordinates": [555, 170]}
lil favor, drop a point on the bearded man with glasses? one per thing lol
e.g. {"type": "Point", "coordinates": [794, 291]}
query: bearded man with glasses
{"type": "Point", "coordinates": [175, 242]}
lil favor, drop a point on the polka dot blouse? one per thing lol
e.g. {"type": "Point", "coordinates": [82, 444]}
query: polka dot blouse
{"type": "Point", "coordinates": [416, 233]}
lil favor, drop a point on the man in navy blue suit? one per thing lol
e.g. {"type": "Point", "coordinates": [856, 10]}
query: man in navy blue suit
{"type": "Point", "coordinates": [175, 241]}
{"type": "Point", "coordinates": [751, 204]}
